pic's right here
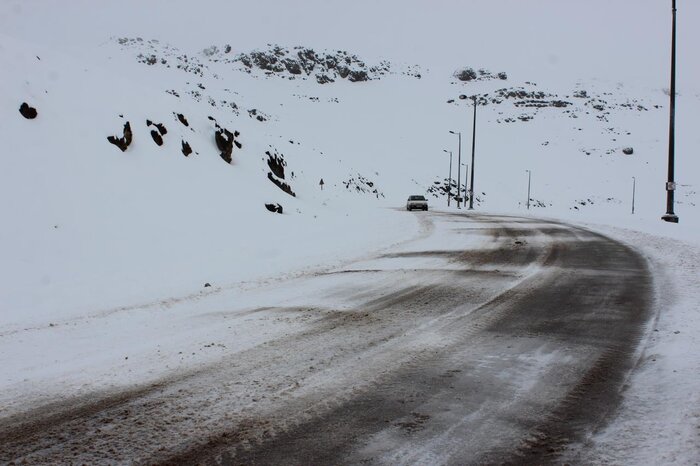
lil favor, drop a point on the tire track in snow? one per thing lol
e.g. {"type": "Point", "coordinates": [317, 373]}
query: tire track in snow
{"type": "Point", "coordinates": [347, 367]}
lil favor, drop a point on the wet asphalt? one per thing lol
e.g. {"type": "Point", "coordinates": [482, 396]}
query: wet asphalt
{"type": "Point", "coordinates": [513, 353]}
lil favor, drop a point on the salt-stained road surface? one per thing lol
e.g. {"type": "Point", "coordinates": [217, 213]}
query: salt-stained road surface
{"type": "Point", "coordinates": [486, 340]}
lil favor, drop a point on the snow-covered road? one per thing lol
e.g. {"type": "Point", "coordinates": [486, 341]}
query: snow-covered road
{"type": "Point", "coordinates": [487, 339]}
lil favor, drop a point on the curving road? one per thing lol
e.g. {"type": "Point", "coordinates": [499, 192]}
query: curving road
{"type": "Point", "coordinates": [490, 339]}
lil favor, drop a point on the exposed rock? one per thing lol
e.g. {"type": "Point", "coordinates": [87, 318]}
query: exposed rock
{"type": "Point", "coordinates": [124, 141]}
{"type": "Point", "coordinates": [468, 74]}
{"type": "Point", "coordinates": [27, 112]}
{"type": "Point", "coordinates": [182, 119]}
{"type": "Point", "coordinates": [157, 137]}
{"type": "Point", "coordinates": [274, 208]}
{"type": "Point", "coordinates": [161, 129]}
{"type": "Point", "coordinates": [186, 149]}
{"type": "Point", "coordinates": [324, 79]}
{"type": "Point", "coordinates": [628, 151]}
{"type": "Point", "coordinates": [325, 67]}
{"type": "Point", "coordinates": [358, 75]}
{"type": "Point", "coordinates": [443, 187]}
{"type": "Point", "coordinates": [224, 141]}
{"type": "Point", "coordinates": [361, 184]}
{"type": "Point", "coordinates": [281, 184]}
{"type": "Point", "coordinates": [276, 163]}
{"type": "Point", "coordinates": [258, 115]}
{"type": "Point", "coordinates": [292, 66]}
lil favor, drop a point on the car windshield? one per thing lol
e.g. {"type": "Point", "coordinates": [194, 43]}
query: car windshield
{"type": "Point", "coordinates": [416, 198]}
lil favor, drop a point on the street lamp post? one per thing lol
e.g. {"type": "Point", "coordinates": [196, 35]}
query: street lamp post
{"type": "Point", "coordinates": [449, 183]}
{"type": "Point", "coordinates": [529, 174]}
{"type": "Point", "coordinates": [459, 163]}
{"type": "Point", "coordinates": [466, 175]}
{"type": "Point", "coordinates": [670, 184]}
{"type": "Point", "coordinates": [471, 183]}
{"type": "Point", "coordinates": [634, 187]}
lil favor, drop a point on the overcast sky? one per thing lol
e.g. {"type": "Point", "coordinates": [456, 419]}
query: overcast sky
{"type": "Point", "coordinates": [611, 39]}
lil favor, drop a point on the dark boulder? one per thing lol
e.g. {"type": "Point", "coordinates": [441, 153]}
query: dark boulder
{"type": "Point", "coordinates": [276, 208]}
{"type": "Point", "coordinates": [182, 119]}
{"type": "Point", "coordinates": [157, 137]}
{"type": "Point", "coordinates": [27, 112]}
{"type": "Point", "coordinates": [224, 141]}
{"type": "Point", "coordinates": [186, 149]}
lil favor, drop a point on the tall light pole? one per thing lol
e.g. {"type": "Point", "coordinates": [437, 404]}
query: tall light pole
{"type": "Point", "coordinates": [466, 175]}
{"type": "Point", "coordinates": [471, 184]}
{"type": "Point", "coordinates": [670, 184]}
{"type": "Point", "coordinates": [634, 187]}
{"type": "Point", "coordinates": [459, 163]}
{"type": "Point", "coordinates": [449, 185]}
{"type": "Point", "coordinates": [529, 174]}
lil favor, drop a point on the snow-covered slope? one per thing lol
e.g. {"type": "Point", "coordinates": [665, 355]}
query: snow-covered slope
{"type": "Point", "coordinates": [89, 226]}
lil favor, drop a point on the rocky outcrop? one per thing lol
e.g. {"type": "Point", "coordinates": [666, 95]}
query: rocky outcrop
{"type": "Point", "coordinates": [281, 184]}
{"type": "Point", "coordinates": [276, 208]}
{"type": "Point", "coordinates": [302, 63]}
{"type": "Point", "coordinates": [360, 184]}
{"type": "Point", "coordinates": [124, 141]}
{"type": "Point", "coordinates": [159, 126]}
{"type": "Point", "coordinates": [182, 119]}
{"type": "Point", "coordinates": [186, 149]}
{"type": "Point", "coordinates": [469, 74]}
{"type": "Point", "coordinates": [225, 140]}
{"type": "Point", "coordinates": [158, 133]}
{"type": "Point", "coordinates": [258, 115]}
{"type": "Point", "coordinates": [27, 112]}
{"type": "Point", "coordinates": [276, 163]}
{"type": "Point", "coordinates": [157, 138]}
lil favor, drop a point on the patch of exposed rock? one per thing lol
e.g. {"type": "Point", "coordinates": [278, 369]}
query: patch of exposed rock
{"type": "Point", "coordinates": [124, 141]}
{"type": "Point", "coordinates": [323, 66]}
{"type": "Point", "coordinates": [470, 74]}
{"type": "Point", "coordinates": [276, 208]}
{"type": "Point", "coordinates": [360, 184]}
{"type": "Point", "coordinates": [27, 112]}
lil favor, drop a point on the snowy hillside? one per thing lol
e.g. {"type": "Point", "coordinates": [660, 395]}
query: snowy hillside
{"type": "Point", "coordinates": [221, 137]}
